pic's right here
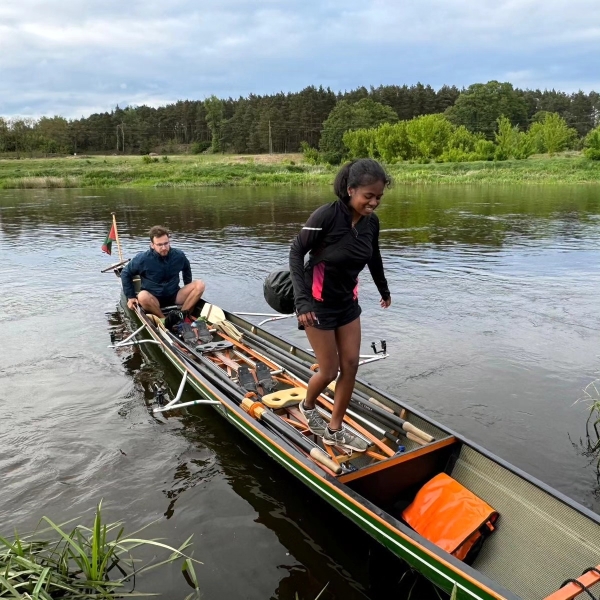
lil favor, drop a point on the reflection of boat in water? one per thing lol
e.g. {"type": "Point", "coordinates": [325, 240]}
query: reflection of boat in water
{"type": "Point", "coordinates": [255, 380]}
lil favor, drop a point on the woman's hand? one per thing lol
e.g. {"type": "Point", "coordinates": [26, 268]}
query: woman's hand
{"type": "Point", "coordinates": [385, 303]}
{"type": "Point", "coordinates": [308, 319]}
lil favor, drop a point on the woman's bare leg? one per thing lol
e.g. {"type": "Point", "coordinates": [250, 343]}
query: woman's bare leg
{"type": "Point", "coordinates": [348, 350]}
{"type": "Point", "coordinates": [323, 343]}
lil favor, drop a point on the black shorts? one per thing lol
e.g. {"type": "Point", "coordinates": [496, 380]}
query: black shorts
{"type": "Point", "coordinates": [167, 300]}
{"type": "Point", "coordinates": [332, 318]}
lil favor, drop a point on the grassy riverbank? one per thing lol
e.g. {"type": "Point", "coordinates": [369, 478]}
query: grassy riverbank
{"type": "Point", "coordinates": [280, 169]}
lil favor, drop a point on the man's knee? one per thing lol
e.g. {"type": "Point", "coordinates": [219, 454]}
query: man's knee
{"type": "Point", "coordinates": [199, 286]}
{"type": "Point", "coordinates": [146, 298]}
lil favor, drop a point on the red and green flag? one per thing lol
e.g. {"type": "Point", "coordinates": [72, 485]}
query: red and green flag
{"type": "Point", "coordinates": [110, 238]}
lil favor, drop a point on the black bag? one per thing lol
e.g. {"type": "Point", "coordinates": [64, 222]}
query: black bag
{"type": "Point", "coordinates": [279, 291]}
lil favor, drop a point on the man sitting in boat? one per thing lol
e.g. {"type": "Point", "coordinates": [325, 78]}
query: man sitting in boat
{"type": "Point", "coordinates": [159, 268]}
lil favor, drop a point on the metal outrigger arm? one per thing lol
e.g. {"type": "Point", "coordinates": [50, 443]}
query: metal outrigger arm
{"type": "Point", "coordinates": [126, 341]}
{"type": "Point", "coordinates": [175, 404]}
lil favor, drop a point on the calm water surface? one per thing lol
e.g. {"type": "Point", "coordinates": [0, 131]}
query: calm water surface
{"type": "Point", "coordinates": [493, 330]}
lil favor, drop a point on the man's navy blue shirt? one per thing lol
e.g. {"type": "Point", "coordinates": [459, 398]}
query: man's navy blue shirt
{"type": "Point", "coordinates": [159, 274]}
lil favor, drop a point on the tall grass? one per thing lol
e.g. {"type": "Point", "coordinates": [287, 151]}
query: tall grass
{"type": "Point", "coordinates": [592, 425]}
{"type": "Point", "coordinates": [282, 170]}
{"type": "Point", "coordinates": [83, 563]}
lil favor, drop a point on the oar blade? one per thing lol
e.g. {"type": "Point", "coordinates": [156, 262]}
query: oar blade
{"type": "Point", "coordinates": [213, 314]}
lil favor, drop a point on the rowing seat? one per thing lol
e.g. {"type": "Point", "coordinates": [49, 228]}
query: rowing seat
{"type": "Point", "coordinates": [283, 398]}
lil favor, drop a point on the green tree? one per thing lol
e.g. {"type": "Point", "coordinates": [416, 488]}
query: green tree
{"type": "Point", "coordinates": [346, 116]}
{"type": "Point", "coordinates": [461, 146]}
{"type": "Point", "coordinates": [482, 104]}
{"type": "Point", "coordinates": [4, 135]}
{"type": "Point", "coordinates": [428, 136]}
{"type": "Point", "coordinates": [392, 142]}
{"type": "Point", "coordinates": [215, 115]}
{"type": "Point", "coordinates": [55, 133]}
{"type": "Point", "coordinates": [592, 144]}
{"type": "Point", "coordinates": [361, 143]}
{"type": "Point", "coordinates": [510, 142]}
{"type": "Point", "coordinates": [550, 133]}
{"type": "Point", "coordinates": [581, 113]}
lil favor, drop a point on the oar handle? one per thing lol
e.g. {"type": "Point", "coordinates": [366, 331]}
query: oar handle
{"type": "Point", "coordinates": [258, 411]}
{"type": "Point", "coordinates": [321, 457]}
{"type": "Point", "coordinates": [410, 428]}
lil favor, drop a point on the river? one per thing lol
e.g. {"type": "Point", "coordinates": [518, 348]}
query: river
{"type": "Point", "coordinates": [493, 330]}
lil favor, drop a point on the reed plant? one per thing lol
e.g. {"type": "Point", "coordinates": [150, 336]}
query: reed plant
{"type": "Point", "coordinates": [81, 563]}
{"type": "Point", "coordinates": [592, 425]}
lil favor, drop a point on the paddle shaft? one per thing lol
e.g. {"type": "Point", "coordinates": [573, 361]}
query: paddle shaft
{"type": "Point", "coordinates": [297, 365]}
{"type": "Point", "coordinates": [280, 427]}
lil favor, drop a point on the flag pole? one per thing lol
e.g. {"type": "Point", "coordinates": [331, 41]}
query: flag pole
{"type": "Point", "coordinates": [117, 236]}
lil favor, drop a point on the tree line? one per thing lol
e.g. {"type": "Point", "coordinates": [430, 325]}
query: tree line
{"type": "Point", "coordinates": [315, 118]}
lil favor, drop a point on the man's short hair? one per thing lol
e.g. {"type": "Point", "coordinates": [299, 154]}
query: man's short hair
{"type": "Point", "coordinates": [158, 231]}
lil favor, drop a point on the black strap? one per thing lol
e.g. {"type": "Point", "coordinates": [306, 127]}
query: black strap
{"type": "Point", "coordinates": [582, 587]}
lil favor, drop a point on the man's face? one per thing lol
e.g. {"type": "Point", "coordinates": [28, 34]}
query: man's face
{"type": "Point", "coordinates": [162, 244]}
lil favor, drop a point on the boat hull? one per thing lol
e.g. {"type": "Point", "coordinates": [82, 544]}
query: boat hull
{"type": "Point", "coordinates": [442, 569]}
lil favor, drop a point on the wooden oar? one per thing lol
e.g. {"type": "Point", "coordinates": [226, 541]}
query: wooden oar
{"type": "Point", "coordinates": [322, 399]}
{"type": "Point", "coordinates": [258, 411]}
{"type": "Point", "coordinates": [296, 365]}
{"type": "Point", "coordinates": [234, 393]}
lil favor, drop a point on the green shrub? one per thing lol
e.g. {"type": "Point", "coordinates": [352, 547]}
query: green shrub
{"type": "Point", "coordinates": [550, 133]}
{"type": "Point", "coordinates": [311, 155]}
{"type": "Point", "coordinates": [146, 159]}
{"type": "Point", "coordinates": [200, 147]}
{"type": "Point", "coordinates": [485, 150]}
{"type": "Point", "coordinates": [392, 142]}
{"type": "Point", "coordinates": [361, 143]}
{"type": "Point", "coordinates": [332, 158]}
{"type": "Point", "coordinates": [592, 144]}
{"type": "Point", "coordinates": [428, 136]}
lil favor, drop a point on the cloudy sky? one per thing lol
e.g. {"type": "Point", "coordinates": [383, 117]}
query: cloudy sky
{"type": "Point", "coordinates": [75, 57]}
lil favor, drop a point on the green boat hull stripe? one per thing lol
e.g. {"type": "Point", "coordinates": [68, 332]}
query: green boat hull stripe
{"type": "Point", "coordinates": [259, 439]}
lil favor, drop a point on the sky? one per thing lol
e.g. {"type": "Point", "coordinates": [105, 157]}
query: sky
{"type": "Point", "coordinates": [77, 57]}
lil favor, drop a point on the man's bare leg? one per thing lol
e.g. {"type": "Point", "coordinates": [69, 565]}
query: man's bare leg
{"type": "Point", "coordinates": [150, 304]}
{"type": "Point", "coordinates": [189, 294]}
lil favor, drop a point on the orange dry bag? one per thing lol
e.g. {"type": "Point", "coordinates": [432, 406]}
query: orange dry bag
{"type": "Point", "coordinates": [453, 518]}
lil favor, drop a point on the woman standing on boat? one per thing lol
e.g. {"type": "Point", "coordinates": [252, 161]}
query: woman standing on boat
{"type": "Point", "coordinates": [342, 238]}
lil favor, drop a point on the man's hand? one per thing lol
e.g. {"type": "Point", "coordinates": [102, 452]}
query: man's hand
{"type": "Point", "coordinates": [132, 303]}
{"type": "Point", "coordinates": [385, 303]}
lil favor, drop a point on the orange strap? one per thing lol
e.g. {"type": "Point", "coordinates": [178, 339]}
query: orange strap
{"type": "Point", "coordinates": [572, 590]}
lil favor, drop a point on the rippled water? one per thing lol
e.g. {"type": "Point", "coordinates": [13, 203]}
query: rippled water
{"type": "Point", "coordinates": [493, 330]}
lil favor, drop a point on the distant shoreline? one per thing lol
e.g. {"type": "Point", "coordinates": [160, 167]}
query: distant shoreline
{"type": "Point", "coordinates": [185, 171]}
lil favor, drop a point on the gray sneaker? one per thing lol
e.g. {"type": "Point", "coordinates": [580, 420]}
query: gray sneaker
{"type": "Point", "coordinates": [316, 423]}
{"type": "Point", "coordinates": [345, 439]}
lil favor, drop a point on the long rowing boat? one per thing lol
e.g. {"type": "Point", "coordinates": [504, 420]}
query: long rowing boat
{"type": "Point", "coordinates": [544, 545]}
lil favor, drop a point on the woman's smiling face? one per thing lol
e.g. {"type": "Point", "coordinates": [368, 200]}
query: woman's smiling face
{"type": "Point", "coordinates": [365, 199]}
